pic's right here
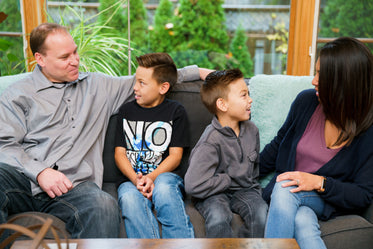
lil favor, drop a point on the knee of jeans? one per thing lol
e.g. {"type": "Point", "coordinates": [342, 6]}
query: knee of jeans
{"type": "Point", "coordinates": [105, 206]}
{"type": "Point", "coordinates": [167, 185]}
{"type": "Point", "coordinates": [219, 216]}
{"type": "Point", "coordinates": [281, 194]}
{"type": "Point", "coordinates": [129, 200]}
{"type": "Point", "coordinates": [306, 218]}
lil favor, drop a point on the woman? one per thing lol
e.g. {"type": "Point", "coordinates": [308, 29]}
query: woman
{"type": "Point", "coordinates": [323, 153]}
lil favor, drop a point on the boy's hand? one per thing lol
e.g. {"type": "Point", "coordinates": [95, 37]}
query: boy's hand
{"type": "Point", "coordinates": [145, 185]}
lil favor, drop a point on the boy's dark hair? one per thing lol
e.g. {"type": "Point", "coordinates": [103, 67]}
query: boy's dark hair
{"type": "Point", "coordinates": [40, 33]}
{"type": "Point", "coordinates": [216, 86]}
{"type": "Point", "coordinates": [164, 68]}
{"type": "Point", "coordinates": [346, 86]}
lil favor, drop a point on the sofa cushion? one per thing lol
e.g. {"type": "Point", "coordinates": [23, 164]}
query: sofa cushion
{"type": "Point", "coordinates": [8, 80]}
{"type": "Point", "coordinates": [348, 231]}
{"type": "Point", "coordinates": [272, 97]}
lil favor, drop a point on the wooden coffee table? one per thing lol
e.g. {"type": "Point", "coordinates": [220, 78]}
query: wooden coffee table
{"type": "Point", "coordinates": [233, 243]}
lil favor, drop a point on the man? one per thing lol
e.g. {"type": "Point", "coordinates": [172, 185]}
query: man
{"type": "Point", "coordinates": [51, 141]}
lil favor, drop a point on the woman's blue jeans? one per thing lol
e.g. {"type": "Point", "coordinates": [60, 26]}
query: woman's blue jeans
{"type": "Point", "coordinates": [168, 202]}
{"type": "Point", "coordinates": [87, 211]}
{"type": "Point", "coordinates": [218, 210]}
{"type": "Point", "coordinates": [294, 215]}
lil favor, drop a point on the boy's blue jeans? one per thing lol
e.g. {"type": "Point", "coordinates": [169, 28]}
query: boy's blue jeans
{"type": "Point", "coordinates": [167, 200]}
{"type": "Point", "coordinates": [87, 211]}
{"type": "Point", "coordinates": [218, 210]}
{"type": "Point", "coordinates": [294, 215]}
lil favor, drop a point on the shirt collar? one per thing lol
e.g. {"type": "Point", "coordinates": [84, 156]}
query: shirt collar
{"type": "Point", "coordinates": [226, 130]}
{"type": "Point", "coordinates": [42, 82]}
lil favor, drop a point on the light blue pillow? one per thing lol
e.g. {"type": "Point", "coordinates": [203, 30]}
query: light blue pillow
{"type": "Point", "coordinates": [5, 81]}
{"type": "Point", "coordinates": [272, 97]}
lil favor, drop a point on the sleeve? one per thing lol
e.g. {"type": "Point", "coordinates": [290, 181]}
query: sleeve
{"type": "Point", "coordinates": [201, 179]}
{"type": "Point", "coordinates": [188, 73]}
{"type": "Point", "coordinates": [13, 130]}
{"type": "Point", "coordinates": [180, 129]}
{"type": "Point", "coordinates": [349, 184]}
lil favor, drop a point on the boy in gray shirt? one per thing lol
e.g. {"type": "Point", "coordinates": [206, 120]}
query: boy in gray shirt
{"type": "Point", "coordinates": [224, 165]}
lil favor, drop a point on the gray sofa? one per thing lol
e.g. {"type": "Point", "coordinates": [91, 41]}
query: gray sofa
{"type": "Point", "coordinates": [272, 96]}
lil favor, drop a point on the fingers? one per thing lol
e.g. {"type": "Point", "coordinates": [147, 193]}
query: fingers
{"type": "Point", "coordinates": [302, 180]}
{"type": "Point", "coordinates": [54, 183]}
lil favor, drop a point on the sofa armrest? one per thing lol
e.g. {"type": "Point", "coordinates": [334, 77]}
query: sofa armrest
{"type": "Point", "coordinates": [368, 213]}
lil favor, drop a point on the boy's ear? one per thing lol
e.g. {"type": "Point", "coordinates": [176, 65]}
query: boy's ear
{"type": "Point", "coordinates": [221, 105]}
{"type": "Point", "coordinates": [164, 88]}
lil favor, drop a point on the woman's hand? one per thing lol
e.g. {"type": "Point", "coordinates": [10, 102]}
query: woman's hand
{"type": "Point", "coordinates": [304, 181]}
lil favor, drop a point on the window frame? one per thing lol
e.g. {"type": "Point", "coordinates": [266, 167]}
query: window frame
{"type": "Point", "coordinates": [302, 44]}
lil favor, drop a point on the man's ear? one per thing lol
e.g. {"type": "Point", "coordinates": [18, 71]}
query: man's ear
{"type": "Point", "coordinates": [165, 86]}
{"type": "Point", "coordinates": [39, 59]}
{"type": "Point", "coordinates": [221, 105]}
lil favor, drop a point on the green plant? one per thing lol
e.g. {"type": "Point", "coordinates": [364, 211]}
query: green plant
{"type": "Point", "coordinates": [347, 18]}
{"type": "Point", "coordinates": [139, 24]}
{"type": "Point", "coordinates": [11, 48]}
{"type": "Point", "coordinates": [117, 21]}
{"type": "Point", "coordinates": [200, 33]}
{"type": "Point", "coordinates": [200, 25]}
{"type": "Point", "coordinates": [161, 35]}
{"type": "Point", "coordinates": [10, 62]}
{"type": "Point", "coordinates": [281, 37]}
{"type": "Point", "coordinates": [100, 48]}
{"type": "Point", "coordinates": [241, 57]}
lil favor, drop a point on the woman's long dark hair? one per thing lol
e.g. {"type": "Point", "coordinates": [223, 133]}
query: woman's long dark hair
{"type": "Point", "coordinates": [346, 86]}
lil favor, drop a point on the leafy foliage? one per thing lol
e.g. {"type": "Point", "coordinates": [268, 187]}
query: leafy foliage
{"type": "Point", "coordinates": [11, 48]}
{"type": "Point", "coordinates": [347, 18]}
{"type": "Point", "coordinates": [117, 21]}
{"type": "Point", "coordinates": [200, 34]}
{"type": "Point", "coordinates": [139, 24]}
{"type": "Point", "coordinates": [162, 34]}
{"type": "Point", "coordinates": [100, 47]}
{"type": "Point", "coordinates": [240, 52]}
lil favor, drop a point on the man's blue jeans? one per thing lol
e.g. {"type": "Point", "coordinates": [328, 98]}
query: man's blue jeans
{"type": "Point", "coordinates": [294, 215]}
{"type": "Point", "coordinates": [87, 211]}
{"type": "Point", "coordinates": [137, 211]}
{"type": "Point", "coordinates": [218, 210]}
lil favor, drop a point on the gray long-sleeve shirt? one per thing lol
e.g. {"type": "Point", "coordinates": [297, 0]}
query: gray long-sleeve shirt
{"type": "Point", "coordinates": [44, 124]}
{"type": "Point", "coordinates": [221, 160]}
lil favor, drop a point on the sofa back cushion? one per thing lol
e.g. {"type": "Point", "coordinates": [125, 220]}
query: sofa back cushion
{"type": "Point", "coordinates": [272, 97]}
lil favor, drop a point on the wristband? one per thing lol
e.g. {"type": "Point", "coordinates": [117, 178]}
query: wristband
{"type": "Point", "coordinates": [323, 183]}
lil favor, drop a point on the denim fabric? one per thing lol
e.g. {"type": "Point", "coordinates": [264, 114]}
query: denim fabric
{"type": "Point", "coordinates": [168, 203]}
{"type": "Point", "coordinates": [294, 215]}
{"type": "Point", "coordinates": [87, 211]}
{"type": "Point", "coordinates": [218, 210]}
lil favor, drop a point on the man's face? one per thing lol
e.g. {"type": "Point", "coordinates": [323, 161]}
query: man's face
{"type": "Point", "coordinates": [60, 61]}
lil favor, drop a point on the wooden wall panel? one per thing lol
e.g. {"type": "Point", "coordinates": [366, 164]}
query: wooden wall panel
{"type": "Point", "coordinates": [33, 14]}
{"type": "Point", "coordinates": [300, 37]}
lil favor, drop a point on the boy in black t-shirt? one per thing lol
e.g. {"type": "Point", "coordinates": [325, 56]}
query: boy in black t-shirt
{"type": "Point", "coordinates": [151, 134]}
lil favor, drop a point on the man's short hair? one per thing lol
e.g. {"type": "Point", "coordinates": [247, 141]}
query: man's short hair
{"type": "Point", "coordinates": [40, 33]}
{"type": "Point", "coordinates": [164, 68]}
{"type": "Point", "coordinates": [216, 86]}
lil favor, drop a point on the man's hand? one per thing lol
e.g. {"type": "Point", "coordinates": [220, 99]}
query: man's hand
{"type": "Point", "coordinates": [145, 185]}
{"type": "Point", "coordinates": [53, 182]}
{"type": "Point", "coordinates": [203, 72]}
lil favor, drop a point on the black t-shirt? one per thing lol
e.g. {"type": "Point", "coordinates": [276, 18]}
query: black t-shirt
{"type": "Point", "coordinates": [147, 133]}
